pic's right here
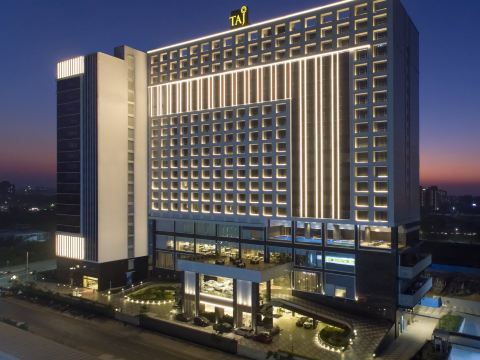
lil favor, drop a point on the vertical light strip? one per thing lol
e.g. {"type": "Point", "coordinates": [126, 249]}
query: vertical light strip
{"type": "Point", "coordinates": [159, 101]}
{"type": "Point", "coordinates": [249, 93]}
{"type": "Point", "coordinates": [257, 83]}
{"type": "Point", "coordinates": [271, 83]}
{"type": "Point", "coordinates": [181, 95]}
{"type": "Point", "coordinates": [321, 141]}
{"type": "Point", "coordinates": [305, 130]}
{"type": "Point", "coordinates": [315, 99]}
{"type": "Point", "coordinates": [285, 81]}
{"type": "Point", "coordinates": [261, 84]}
{"type": "Point", "coordinates": [300, 133]}
{"type": "Point", "coordinates": [338, 138]}
{"type": "Point", "coordinates": [275, 85]}
{"type": "Point", "coordinates": [198, 95]}
{"type": "Point", "coordinates": [332, 136]}
{"type": "Point", "coordinates": [201, 94]}
{"type": "Point", "coordinates": [150, 91]}
{"type": "Point", "coordinates": [244, 88]}
{"type": "Point", "coordinates": [223, 90]}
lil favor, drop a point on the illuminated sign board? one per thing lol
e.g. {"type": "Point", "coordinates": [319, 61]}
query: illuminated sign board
{"type": "Point", "coordinates": [239, 18]}
{"type": "Point", "coordinates": [340, 260]}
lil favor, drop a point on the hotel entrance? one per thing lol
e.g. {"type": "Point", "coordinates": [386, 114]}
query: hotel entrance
{"type": "Point", "coordinates": [90, 282]}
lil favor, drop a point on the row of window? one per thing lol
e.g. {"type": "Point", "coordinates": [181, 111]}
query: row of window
{"type": "Point", "coordinates": [285, 231]}
{"type": "Point", "coordinates": [314, 28]}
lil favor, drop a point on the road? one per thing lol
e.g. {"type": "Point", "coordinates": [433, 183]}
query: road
{"type": "Point", "coordinates": [20, 270]}
{"type": "Point", "coordinates": [104, 338]}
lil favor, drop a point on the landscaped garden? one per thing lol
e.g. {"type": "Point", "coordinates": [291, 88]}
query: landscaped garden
{"type": "Point", "coordinates": [335, 336]}
{"type": "Point", "coordinates": [450, 323]}
{"type": "Point", "coordinates": [154, 293]}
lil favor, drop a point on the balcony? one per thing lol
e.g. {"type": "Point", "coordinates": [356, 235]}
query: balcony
{"type": "Point", "coordinates": [412, 264]}
{"type": "Point", "coordinates": [412, 296]}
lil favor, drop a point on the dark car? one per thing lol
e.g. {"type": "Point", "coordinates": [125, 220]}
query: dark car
{"type": "Point", "coordinates": [241, 264]}
{"type": "Point", "coordinates": [263, 337]}
{"type": "Point", "coordinates": [274, 330]}
{"type": "Point", "coordinates": [201, 321]}
{"type": "Point", "coordinates": [301, 321]}
{"type": "Point", "coordinates": [223, 327]}
{"type": "Point", "coordinates": [182, 317]}
{"type": "Point", "coordinates": [219, 262]}
{"type": "Point", "coordinates": [245, 332]}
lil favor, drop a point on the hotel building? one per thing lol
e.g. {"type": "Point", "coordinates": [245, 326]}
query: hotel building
{"type": "Point", "coordinates": [101, 238]}
{"type": "Point", "coordinates": [282, 162]}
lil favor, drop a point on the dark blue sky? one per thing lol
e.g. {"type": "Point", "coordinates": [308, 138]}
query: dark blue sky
{"type": "Point", "coordinates": [34, 35]}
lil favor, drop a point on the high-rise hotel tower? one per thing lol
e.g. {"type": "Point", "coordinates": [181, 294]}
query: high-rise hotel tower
{"type": "Point", "coordinates": [282, 160]}
{"type": "Point", "coordinates": [101, 238]}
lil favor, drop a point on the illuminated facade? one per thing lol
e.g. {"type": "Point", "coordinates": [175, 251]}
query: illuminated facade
{"type": "Point", "coordinates": [285, 154]}
{"type": "Point", "coordinates": [101, 235]}
{"type": "Point", "coordinates": [280, 157]}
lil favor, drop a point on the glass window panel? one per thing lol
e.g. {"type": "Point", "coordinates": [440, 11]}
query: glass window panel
{"type": "Point", "coordinates": [308, 232]}
{"type": "Point", "coordinates": [341, 235]}
{"type": "Point", "coordinates": [307, 281]}
{"type": "Point", "coordinates": [378, 237]}
{"type": "Point", "coordinates": [280, 230]}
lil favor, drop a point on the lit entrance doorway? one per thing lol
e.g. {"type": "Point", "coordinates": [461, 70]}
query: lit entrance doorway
{"type": "Point", "coordinates": [90, 282]}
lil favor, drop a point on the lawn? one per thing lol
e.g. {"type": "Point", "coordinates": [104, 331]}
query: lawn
{"type": "Point", "coordinates": [335, 336]}
{"type": "Point", "coordinates": [154, 293]}
{"type": "Point", "coordinates": [450, 323]}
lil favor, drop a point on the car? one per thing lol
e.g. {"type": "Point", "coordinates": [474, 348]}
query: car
{"type": "Point", "coordinates": [241, 264]}
{"type": "Point", "coordinates": [223, 327]}
{"type": "Point", "coordinates": [274, 330]}
{"type": "Point", "coordinates": [201, 321]}
{"type": "Point", "coordinates": [246, 332]}
{"type": "Point", "coordinates": [301, 321]}
{"type": "Point", "coordinates": [219, 262]}
{"type": "Point", "coordinates": [182, 317]}
{"type": "Point", "coordinates": [255, 261]}
{"type": "Point", "coordinates": [263, 337]}
{"type": "Point", "coordinates": [310, 324]}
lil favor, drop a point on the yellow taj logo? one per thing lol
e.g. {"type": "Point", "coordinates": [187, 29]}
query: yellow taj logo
{"type": "Point", "coordinates": [239, 17]}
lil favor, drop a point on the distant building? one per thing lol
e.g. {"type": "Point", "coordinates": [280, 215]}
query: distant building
{"type": "Point", "coordinates": [24, 235]}
{"type": "Point", "coordinates": [432, 198]}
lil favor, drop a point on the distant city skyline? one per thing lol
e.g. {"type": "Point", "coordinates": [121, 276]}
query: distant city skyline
{"type": "Point", "coordinates": [448, 86]}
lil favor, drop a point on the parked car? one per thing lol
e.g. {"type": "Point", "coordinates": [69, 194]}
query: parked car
{"type": "Point", "coordinates": [310, 324]}
{"type": "Point", "coordinates": [219, 262]}
{"type": "Point", "coordinates": [263, 337]}
{"type": "Point", "coordinates": [255, 261]}
{"type": "Point", "coordinates": [241, 264]}
{"type": "Point", "coordinates": [223, 327]}
{"type": "Point", "coordinates": [201, 321]}
{"type": "Point", "coordinates": [274, 330]}
{"type": "Point", "coordinates": [245, 332]}
{"type": "Point", "coordinates": [182, 317]}
{"type": "Point", "coordinates": [301, 321]}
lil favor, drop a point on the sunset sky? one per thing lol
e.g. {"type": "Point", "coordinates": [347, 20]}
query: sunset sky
{"type": "Point", "coordinates": [36, 34]}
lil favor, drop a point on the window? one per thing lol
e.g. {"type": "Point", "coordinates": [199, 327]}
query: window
{"type": "Point", "coordinates": [308, 258]}
{"type": "Point", "coordinates": [184, 244]}
{"type": "Point", "coordinates": [308, 232]}
{"type": "Point", "coordinates": [340, 262]}
{"type": "Point", "coordinates": [307, 281]}
{"type": "Point", "coordinates": [164, 242]}
{"type": "Point", "coordinates": [378, 237]}
{"type": "Point", "coordinates": [341, 235]}
{"type": "Point", "coordinates": [279, 255]}
{"type": "Point", "coordinates": [250, 233]}
{"type": "Point", "coordinates": [280, 230]}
